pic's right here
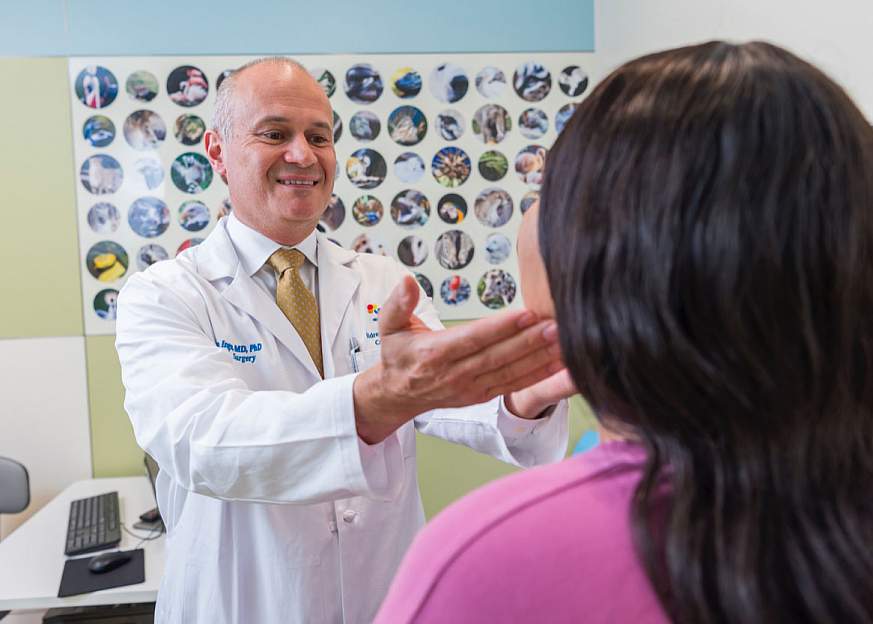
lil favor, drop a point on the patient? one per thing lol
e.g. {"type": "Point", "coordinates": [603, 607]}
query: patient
{"type": "Point", "coordinates": [706, 234]}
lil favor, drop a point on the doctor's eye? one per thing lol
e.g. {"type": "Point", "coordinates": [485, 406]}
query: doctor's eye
{"type": "Point", "coordinates": [272, 135]}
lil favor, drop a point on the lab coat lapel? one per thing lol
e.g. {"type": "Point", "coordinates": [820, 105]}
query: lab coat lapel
{"type": "Point", "coordinates": [217, 260]}
{"type": "Point", "coordinates": [337, 284]}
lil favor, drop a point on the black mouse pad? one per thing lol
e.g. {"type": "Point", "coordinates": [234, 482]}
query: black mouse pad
{"type": "Point", "coordinates": [78, 579]}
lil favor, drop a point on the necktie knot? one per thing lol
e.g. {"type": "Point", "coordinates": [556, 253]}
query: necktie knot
{"type": "Point", "coordinates": [284, 259]}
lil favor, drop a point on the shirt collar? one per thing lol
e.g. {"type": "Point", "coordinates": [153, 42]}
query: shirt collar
{"type": "Point", "coordinates": [253, 248]}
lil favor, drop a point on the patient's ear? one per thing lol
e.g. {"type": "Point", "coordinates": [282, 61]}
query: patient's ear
{"type": "Point", "coordinates": [534, 282]}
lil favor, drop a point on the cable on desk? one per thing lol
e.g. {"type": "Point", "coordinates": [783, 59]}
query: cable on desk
{"type": "Point", "coordinates": [147, 538]}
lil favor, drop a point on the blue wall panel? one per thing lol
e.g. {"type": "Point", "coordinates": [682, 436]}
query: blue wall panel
{"type": "Point", "coordinates": [125, 27]}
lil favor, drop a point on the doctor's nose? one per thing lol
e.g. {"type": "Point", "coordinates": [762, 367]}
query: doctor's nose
{"type": "Point", "coordinates": [299, 152]}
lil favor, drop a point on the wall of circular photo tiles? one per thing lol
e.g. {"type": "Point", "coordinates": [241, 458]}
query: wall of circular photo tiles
{"type": "Point", "coordinates": [438, 156]}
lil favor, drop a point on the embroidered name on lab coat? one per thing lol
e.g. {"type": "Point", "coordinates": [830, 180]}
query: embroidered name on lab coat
{"type": "Point", "coordinates": [241, 352]}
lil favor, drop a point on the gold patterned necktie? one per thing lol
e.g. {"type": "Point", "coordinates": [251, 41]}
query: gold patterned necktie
{"type": "Point", "coordinates": [297, 302]}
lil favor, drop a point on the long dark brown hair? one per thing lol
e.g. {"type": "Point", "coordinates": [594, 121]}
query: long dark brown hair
{"type": "Point", "coordinates": [707, 232]}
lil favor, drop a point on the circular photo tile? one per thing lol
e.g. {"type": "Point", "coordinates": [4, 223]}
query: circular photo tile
{"type": "Point", "coordinates": [324, 78]}
{"type": "Point", "coordinates": [573, 80]}
{"type": "Point", "coordinates": [96, 86]}
{"type": "Point", "coordinates": [406, 82]}
{"type": "Point", "coordinates": [191, 172]}
{"type": "Point", "coordinates": [410, 209]}
{"type": "Point", "coordinates": [454, 249]}
{"type": "Point", "coordinates": [496, 289]}
{"type": "Point", "coordinates": [151, 172]}
{"type": "Point", "coordinates": [493, 207]}
{"type": "Point", "coordinates": [365, 126]}
{"type": "Point", "coordinates": [450, 124]}
{"type": "Point", "coordinates": [533, 123]}
{"type": "Point", "coordinates": [563, 116]}
{"type": "Point", "coordinates": [451, 166]}
{"type": "Point", "coordinates": [368, 244]}
{"type": "Point", "coordinates": [103, 217]}
{"type": "Point", "coordinates": [148, 217]}
{"type": "Point", "coordinates": [363, 84]}
{"type": "Point", "coordinates": [144, 130]}
{"type": "Point", "coordinates": [491, 82]}
{"type": "Point", "coordinates": [455, 290]}
{"type": "Point", "coordinates": [532, 81]}
{"type": "Point", "coordinates": [225, 209]}
{"type": "Point", "coordinates": [366, 168]}
{"type": "Point", "coordinates": [452, 208]}
{"type": "Point", "coordinates": [491, 123]}
{"type": "Point", "coordinates": [448, 82]}
{"type": "Point", "coordinates": [107, 261]}
{"type": "Point", "coordinates": [334, 215]}
{"type": "Point", "coordinates": [337, 127]}
{"type": "Point", "coordinates": [425, 284]}
{"type": "Point", "coordinates": [187, 86]}
{"type": "Point", "coordinates": [497, 248]}
{"type": "Point", "coordinates": [528, 200]}
{"type": "Point", "coordinates": [189, 129]}
{"type": "Point", "coordinates": [101, 174]}
{"type": "Point", "coordinates": [493, 165]}
{"type": "Point", "coordinates": [367, 210]}
{"type": "Point", "coordinates": [98, 130]}
{"type": "Point", "coordinates": [193, 215]}
{"type": "Point", "coordinates": [142, 85]}
{"type": "Point", "coordinates": [187, 244]}
{"type": "Point", "coordinates": [529, 164]}
{"type": "Point", "coordinates": [412, 251]}
{"type": "Point", "coordinates": [106, 304]}
{"type": "Point", "coordinates": [221, 77]}
{"type": "Point", "coordinates": [408, 167]}
{"type": "Point", "coordinates": [407, 125]}
{"type": "Point", "coordinates": [149, 254]}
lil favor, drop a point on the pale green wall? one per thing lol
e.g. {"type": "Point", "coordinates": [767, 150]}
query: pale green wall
{"type": "Point", "coordinates": [40, 271]}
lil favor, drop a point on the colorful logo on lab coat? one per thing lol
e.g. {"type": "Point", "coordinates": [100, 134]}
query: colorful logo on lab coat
{"type": "Point", "coordinates": [373, 310]}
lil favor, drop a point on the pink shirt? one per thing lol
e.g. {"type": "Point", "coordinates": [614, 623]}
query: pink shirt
{"type": "Point", "coordinates": [550, 544]}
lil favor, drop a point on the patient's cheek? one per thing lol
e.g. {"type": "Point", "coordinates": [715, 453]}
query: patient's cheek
{"type": "Point", "coordinates": [534, 285]}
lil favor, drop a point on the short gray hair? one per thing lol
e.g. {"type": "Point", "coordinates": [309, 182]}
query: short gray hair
{"type": "Point", "coordinates": [222, 116]}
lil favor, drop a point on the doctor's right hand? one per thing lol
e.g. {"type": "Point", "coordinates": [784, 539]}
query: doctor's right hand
{"type": "Point", "coordinates": [421, 369]}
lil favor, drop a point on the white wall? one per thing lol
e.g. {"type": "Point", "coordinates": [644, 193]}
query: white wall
{"type": "Point", "coordinates": [837, 36]}
{"type": "Point", "coordinates": [44, 422]}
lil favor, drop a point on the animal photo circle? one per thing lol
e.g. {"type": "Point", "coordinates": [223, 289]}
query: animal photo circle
{"type": "Point", "coordinates": [149, 254]}
{"type": "Point", "coordinates": [101, 174]}
{"type": "Point", "coordinates": [496, 289]}
{"type": "Point", "coordinates": [493, 165]}
{"type": "Point", "coordinates": [365, 126]}
{"type": "Point", "coordinates": [532, 81]}
{"type": "Point", "coordinates": [98, 130]}
{"type": "Point", "coordinates": [533, 123]}
{"type": "Point", "coordinates": [454, 249]}
{"type": "Point", "coordinates": [491, 123]}
{"type": "Point", "coordinates": [491, 82]}
{"type": "Point", "coordinates": [455, 290]}
{"type": "Point", "coordinates": [408, 167]}
{"type": "Point", "coordinates": [451, 166]}
{"type": "Point", "coordinates": [367, 210]}
{"type": "Point", "coordinates": [337, 127]}
{"type": "Point", "coordinates": [103, 217]}
{"type": "Point", "coordinates": [334, 215]}
{"type": "Point", "coordinates": [193, 215]}
{"type": "Point", "coordinates": [497, 248]}
{"type": "Point", "coordinates": [148, 216]}
{"type": "Point", "coordinates": [187, 86]}
{"type": "Point", "coordinates": [106, 304]}
{"type": "Point", "coordinates": [425, 284]}
{"type": "Point", "coordinates": [563, 116]}
{"type": "Point", "coordinates": [448, 82]}
{"type": "Point", "coordinates": [365, 243]}
{"type": "Point", "coordinates": [406, 82]}
{"type": "Point", "coordinates": [493, 207]}
{"type": "Point", "coordinates": [96, 86]}
{"type": "Point", "coordinates": [412, 251]}
{"type": "Point", "coordinates": [529, 165]}
{"type": "Point", "coordinates": [144, 130]}
{"type": "Point", "coordinates": [452, 208]}
{"type": "Point", "coordinates": [187, 244]}
{"type": "Point", "coordinates": [363, 84]}
{"type": "Point", "coordinates": [366, 168]}
{"type": "Point", "coordinates": [450, 124]}
{"type": "Point", "coordinates": [189, 129]}
{"type": "Point", "coordinates": [191, 173]}
{"type": "Point", "coordinates": [573, 81]}
{"type": "Point", "coordinates": [410, 209]}
{"type": "Point", "coordinates": [150, 171]}
{"type": "Point", "coordinates": [407, 125]}
{"type": "Point", "coordinates": [107, 261]}
{"type": "Point", "coordinates": [142, 86]}
{"type": "Point", "coordinates": [325, 79]}
{"type": "Point", "coordinates": [528, 200]}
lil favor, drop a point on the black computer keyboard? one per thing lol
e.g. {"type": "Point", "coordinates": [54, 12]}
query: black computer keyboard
{"type": "Point", "coordinates": [94, 524]}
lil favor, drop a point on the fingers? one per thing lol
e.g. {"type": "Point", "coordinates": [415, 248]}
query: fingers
{"type": "Point", "coordinates": [462, 341]}
{"type": "Point", "coordinates": [513, 353]}
{"type": "Point", "coordinates": [526, 380]}
{"type": "Point", "coordinates": [397, 310]}
{"type": "Point", "coordinates": [521, 366]}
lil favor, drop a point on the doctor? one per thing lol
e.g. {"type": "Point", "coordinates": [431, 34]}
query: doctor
{"type": "Point", "coordinates": [288, 482]}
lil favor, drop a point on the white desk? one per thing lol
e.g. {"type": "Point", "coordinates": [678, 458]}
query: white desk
{"type": "Point", "coordinates": [32, 557]}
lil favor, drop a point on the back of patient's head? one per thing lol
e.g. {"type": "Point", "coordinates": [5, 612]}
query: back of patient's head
{"type": "Point", "coordinates": [707, 233]}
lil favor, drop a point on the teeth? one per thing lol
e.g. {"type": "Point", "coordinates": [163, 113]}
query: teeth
{"type": "Point", "coordinates": [296, 182]}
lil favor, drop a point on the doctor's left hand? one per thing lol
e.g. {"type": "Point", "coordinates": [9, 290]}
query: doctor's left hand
{"type": "Point", "coordinates": [421, 369]}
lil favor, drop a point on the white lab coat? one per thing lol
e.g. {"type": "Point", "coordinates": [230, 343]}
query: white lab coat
{"type": "Point", "coordinates": [275, 511]}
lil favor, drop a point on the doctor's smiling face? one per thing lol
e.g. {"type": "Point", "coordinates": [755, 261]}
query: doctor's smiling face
{"type": "Point", "coordinates": [274, 149]}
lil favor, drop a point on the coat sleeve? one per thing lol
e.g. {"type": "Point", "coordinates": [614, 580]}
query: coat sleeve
{"type": "Point", "coordinates": [492, 429]}
{"type": "Point", "coordinates": [215, 435]}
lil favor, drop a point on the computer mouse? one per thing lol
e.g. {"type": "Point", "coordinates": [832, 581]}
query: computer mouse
{"type": "Point", "coordinates": [108, 561]}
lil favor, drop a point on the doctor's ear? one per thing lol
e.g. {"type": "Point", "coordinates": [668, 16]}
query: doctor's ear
{"type": "Point", "coordinates": [215, 153]}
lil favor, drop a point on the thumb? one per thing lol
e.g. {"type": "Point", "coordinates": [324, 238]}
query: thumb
{"type": "Point", "coordinates": [396, 314]}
